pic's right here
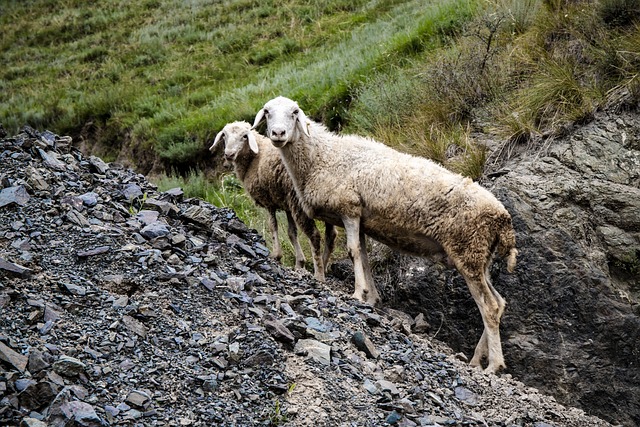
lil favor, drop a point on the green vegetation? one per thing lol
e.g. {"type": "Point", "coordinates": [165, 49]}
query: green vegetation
{"type": "Point", "coordinates": [154, 80]}
{"type": "Point", "coordinates": [160, 77]}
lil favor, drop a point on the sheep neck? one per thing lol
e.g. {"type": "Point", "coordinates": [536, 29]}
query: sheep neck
{"type": "Point", "coordinates": [297, 157]}
{"type": "Point", "coordinates": [243, 163]}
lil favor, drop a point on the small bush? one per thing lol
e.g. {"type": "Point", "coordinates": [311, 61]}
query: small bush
{"type": "Point", "coordinates": [556, 96]}
{"type": "Point", "coordinates": [619, 13]}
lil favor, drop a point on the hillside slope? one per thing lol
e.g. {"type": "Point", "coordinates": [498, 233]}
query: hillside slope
{"type": "Point", "coordinates": [122, 305]}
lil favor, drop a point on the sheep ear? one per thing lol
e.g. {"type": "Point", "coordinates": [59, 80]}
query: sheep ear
{"type": "Point", "coordinates": [219, 137]}
{"type": "Point", "coordinates": [303, 122]}
{"type": "Point", "coordinates": [258, 119]}
{"type": "Point", "coordinates": [253, 144]}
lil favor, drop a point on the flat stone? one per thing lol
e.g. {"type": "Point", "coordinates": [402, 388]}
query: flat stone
{"type": "Point", "coordinates": [77, 218]}
{"type": "Point", "coordinates": [17, 195]}
{"type": "Point", "coordinates": [36, 180]}
{"type": "Point", "coordinates": [208, 283]}
{"type": "Point", "coordinates": [121, 302]}
{"type": "Point", "coordinates": [235, 352]}
{"type": "Point", "coordinates": [89, 199]}
{"type": "Point", "coordinates": [175, 192]}
{"type": "Point", "coordinates": [82, 413]}
{"type": "Point", "coordinates": [198, 215]}
{"type": "Point", "coordinates": [36, 362]}
{"type": "Point", "coordinates": [466, 395]}
{"type": "Point", "coordinates": [370, 386]}
{"type": "Point", "coordinates": [420, 325]}
{"type": "Point", "coordinates": [393, 418]}
{"type": "Point", "coordinates": [32, 422]}
{"type": "Point", "coordinates": [278, 330]}
{"type": "Point", "coordinates": [75, 289]}
{"type": "Point", "coordinates": [364, 344]}
{"type": "Point", "coordinates": [261, 358]}
{"type": "Point", "coordinates": [134, 326]}
{"type": "Point", "coordinates": [98, 165]}
{"type": "Point", "coordinates": [385, 385]}
{"type": "Point", "coordinates": [95, 251]}
{"type": "Point", "coordinates": [165, 208]}
{"type": "Point", "coordinates": [316, 350]}
{"type": "Point", "coordinates": [37, 395]}
{"type": "Point", "coordinates": [14, 269]}
{"type": "Point", "coordinates": [74, 201]}
{"type": "Point", "coordinates": [23, 383]}
{"type": "Point", "coordinates": [138, 398]}
{"type": "Point", "coordinates": [13, 358]}
{"type": "Point", "coordinates": [51, 160]}
{"type": "Point", "coordinates": [317, 324]}
{"type": "Point", "coordinates": [131, 192]}
{"type": "Point", "coordinates": [154, 230]}
{"type": "Point", "coordinates": [50, 314]}
{"type": "Point", "coordinates": [68, 366]}
{"type": "Point", "coordinates": [147, 217]}
{"type": "Point", "coordinates": [237, 242]}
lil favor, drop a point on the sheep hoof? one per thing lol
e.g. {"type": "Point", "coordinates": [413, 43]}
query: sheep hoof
{"type": "Point", "coordinates": [494, 369]}
{"type": "Point", "coordinates": [358, 296]}
{"type": "Point", "coordinates": [475, 363]}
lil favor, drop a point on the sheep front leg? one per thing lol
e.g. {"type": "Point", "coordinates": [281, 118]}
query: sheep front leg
{"type": "Point", "coordinates": [292, 230]}
{"type": "Point", "coordinates": [365, 289]}
{"type": "Point", "coordinates": [276, 253]}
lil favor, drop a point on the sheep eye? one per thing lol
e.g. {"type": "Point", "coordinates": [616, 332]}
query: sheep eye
{"type": "Point", "coordinates": [266, 112]}
{"type": "Point", "coordinates": [295, 112]}
{"type": "Point", "coordinates": [245, 137]}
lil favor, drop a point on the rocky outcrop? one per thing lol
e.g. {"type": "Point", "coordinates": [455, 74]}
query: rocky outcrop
{"type": "Point", "coordinates": [572, 324]}
{"type": "Point", "coordinates": [122, 305]}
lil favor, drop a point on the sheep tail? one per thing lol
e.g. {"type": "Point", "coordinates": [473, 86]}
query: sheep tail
{"type": "Point", "coordinates": [507, 245]}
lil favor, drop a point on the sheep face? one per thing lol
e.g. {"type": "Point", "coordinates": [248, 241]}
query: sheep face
{"type": "Point", "coordinates": [284, 120]}
{"type": "Point", "coordinates": [236, 137]}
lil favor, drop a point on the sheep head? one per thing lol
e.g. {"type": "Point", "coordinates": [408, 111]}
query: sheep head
{"type": "Point", "coordinates": [284, 120]}
{"type": "Point", "coordinates": [236, 137]}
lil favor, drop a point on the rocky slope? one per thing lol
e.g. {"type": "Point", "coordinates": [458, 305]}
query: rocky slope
{"type": "Point", "coordinates": [572, 324]}
{"type": "Point", "coordinates": [121, 305]}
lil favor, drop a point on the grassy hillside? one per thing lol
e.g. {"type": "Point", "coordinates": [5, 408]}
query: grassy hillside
{"type": "Point", "coordinates": [153, 81]}
{"type": "Point", "coordinates": [157, 78]}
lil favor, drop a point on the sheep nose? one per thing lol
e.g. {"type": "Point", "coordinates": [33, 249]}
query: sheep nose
{"type": "Point", "coordinates": [228, 157]}
{"type": "Point", "coordinates": [278, 133]}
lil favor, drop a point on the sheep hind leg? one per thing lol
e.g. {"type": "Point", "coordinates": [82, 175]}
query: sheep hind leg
{"type": "Point", "coordinates": [365, 289]}
{"type": "Point", "coordinates": [491, 310]}
{"type": "Point", "coordinates": [292, 230]}
{"type": "Point", "coordinates": [276, 253]}
{"type": "Point", "coordinates": [309, 228]}
{"type": "Point", "coordinates": [330, 234]}
{"type": "Point", "coordinates": [482, 349]}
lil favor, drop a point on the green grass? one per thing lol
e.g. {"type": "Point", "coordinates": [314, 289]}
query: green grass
{"type": "Point", "coordinates": [164, 76]}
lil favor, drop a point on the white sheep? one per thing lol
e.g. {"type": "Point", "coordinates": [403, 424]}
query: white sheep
{"type": "Point", "coordinates": [258, 166]}
{"type": "Point", "coordinates": [408, 203]}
